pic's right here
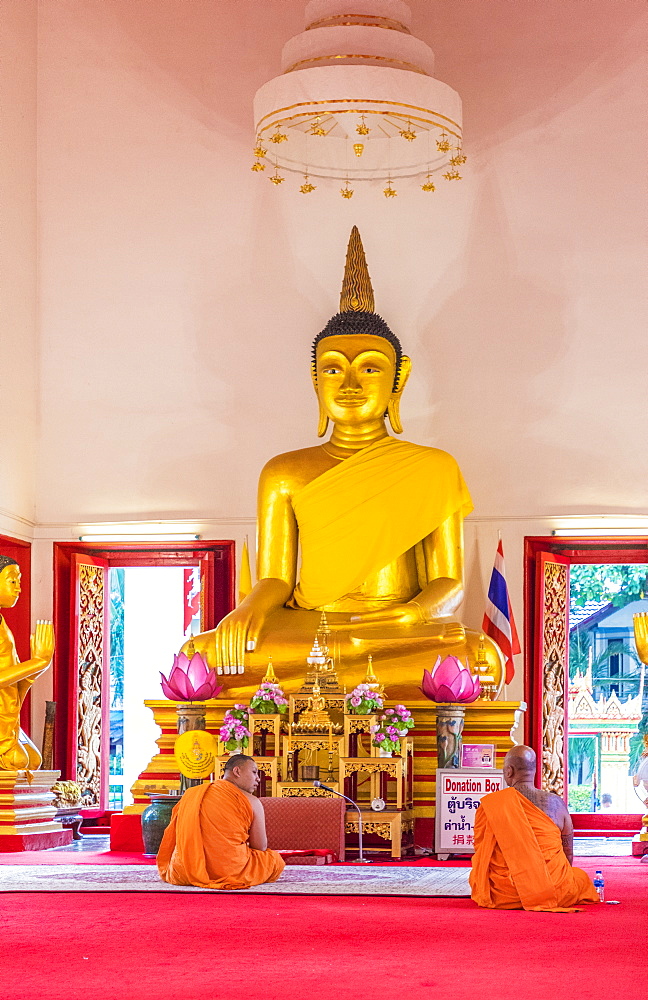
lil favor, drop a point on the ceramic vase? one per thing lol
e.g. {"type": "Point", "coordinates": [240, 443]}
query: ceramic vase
{"type": "Point", "coordinates": [449, 727]}
{"type": "Point", "coordinates": [155, 820]}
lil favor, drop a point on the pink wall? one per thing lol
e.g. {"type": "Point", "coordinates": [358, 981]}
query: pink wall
{"type": "Point", "coordinates": [18, 358]}
{"type": "Point", "coordinates": [180, 291]}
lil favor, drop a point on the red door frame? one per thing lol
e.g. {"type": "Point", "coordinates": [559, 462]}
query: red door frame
{"type": "Point", "coordinates": [575, 550]}
{"type": "Point", "coordinates": [217, 560]}
{"type": "Point", "coordinates": [18, 618]}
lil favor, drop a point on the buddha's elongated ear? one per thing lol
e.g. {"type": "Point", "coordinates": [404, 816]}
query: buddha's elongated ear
{"type": "Point", "coordinates": [323, 421]}
{"type": "Point", "coordinates": [393, 407]}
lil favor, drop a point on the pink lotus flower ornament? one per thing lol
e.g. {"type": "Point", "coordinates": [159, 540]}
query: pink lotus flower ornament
{"type": "Point", "coordinates": [450, 682]}
{"type": "Point", "coordinates": [190, 680]}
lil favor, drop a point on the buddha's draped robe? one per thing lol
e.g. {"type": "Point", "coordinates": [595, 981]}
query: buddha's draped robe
{"type": "Point", "coordinates": [364, 513]}
{"type": "Point", "coordinates": [206, 845]}
{"type": "Point", "coordinates": [519, 862]}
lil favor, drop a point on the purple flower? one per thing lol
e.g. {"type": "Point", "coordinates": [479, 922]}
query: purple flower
{"type": "Point", "coordinates": [389, 711]}
{"type": "Point", "coordinates": [355, 701]}
{"type": "Point", "coordinates": [190, 680]}
{"type": "Point", "coordinates": [450, 682]}
{"type": "Point", "coordinates": [379, 737]}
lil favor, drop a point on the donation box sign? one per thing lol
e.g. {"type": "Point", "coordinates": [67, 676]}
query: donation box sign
{"type": "Point", "coordinates": [459, 791]}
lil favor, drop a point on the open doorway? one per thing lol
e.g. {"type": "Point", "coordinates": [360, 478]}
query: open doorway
{"type": "Point", "coordinates": [588, 703]}
{"type": "Point", "coordinates": [607, 696]}
{"type": "Point", "coordinates": [120, 615]}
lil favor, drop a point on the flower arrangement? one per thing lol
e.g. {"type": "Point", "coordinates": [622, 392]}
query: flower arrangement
{"type": "Point", "coordinates": [395, 722]}
{"type": "Point", "coordinates": [450, 682]}
{"type": "Point", "coordinates": [190, 679]}
{"type": "Point", "coordinates": [234, 732]}
{"type": "Point", "coordinates": [268, 699]}
{"type": "Point", "coordinates": [363, 700]}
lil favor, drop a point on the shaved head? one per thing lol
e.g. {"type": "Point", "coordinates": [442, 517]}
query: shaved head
{"type": "Point", "coordinates": [522, 760]}
{"type": "Point", "coordinates": [236, 760]}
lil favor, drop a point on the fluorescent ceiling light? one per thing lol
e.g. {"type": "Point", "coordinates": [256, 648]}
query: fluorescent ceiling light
{"type": "Point", "coordinates": [143, 536]}
{"type": "Point", "coordinates": [609, 531]}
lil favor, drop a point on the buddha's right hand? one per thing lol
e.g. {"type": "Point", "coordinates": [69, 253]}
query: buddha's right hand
{"type": "Point", "coordinates": [42, 644]}
{"type": "Point", "coordinates": [238, 633]}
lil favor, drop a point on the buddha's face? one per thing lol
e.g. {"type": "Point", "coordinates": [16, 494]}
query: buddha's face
{"type": "Point", "coordinates": [9, 586]}
{"type": "Point", "coordinates": [355, 377]}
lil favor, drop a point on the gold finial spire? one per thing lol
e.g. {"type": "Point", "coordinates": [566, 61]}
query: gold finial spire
{"type": "Point", "coordinates": [270, 675]}
{"type": "Point", "coordinates": [371, 677]}
{"type": "Point", "coordinates": [357, 293]}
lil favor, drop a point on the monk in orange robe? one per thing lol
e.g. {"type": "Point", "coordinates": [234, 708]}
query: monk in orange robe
{"type": "Point", "coordinates": [217, 837]}
{"type": "Point", "coordinates": [524, 846]}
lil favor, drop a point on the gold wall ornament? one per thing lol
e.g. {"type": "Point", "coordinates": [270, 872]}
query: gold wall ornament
{"type": "Point", "coordinates": [278, 136]}
{"type": "Point", "coordinates": [389, 191]}
{"type": "Point", "coordinates": [258, 166]}
{"type": "Point", "coordinates": [307, 187]}
{"type": "Point", "coordinates": [357, 293]}
{"type": "Point", "coordinates": [363, 128]}
{"type": "Point", "coordinates": [195, 753]}
{"type": "Point", "coordinates": [346, 191]}
{"type": "Point", "coordinates": [443, 143]}
{"type": "Point", "coordinates": [458, 158]}
{"type": "Point", "coordinates": [428, 184]}
{"type": "Point", "coordinates": [259, 150]}
{"type": "Point", "coordinates": [408, 133]}
{"type": "Point", "coordinates": [452, 175]}
{"type": "Point", "coordinates": [358, 148]}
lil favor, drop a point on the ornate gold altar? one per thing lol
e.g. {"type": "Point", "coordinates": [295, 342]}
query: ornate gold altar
{"type": "Point", "coordinates": [486, 722]}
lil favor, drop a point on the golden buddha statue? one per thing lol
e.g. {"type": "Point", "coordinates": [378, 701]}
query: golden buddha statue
{"type": "Point", "coordinates": [378, 524]}
{"type": "Point", "coordinates": [17, 752]}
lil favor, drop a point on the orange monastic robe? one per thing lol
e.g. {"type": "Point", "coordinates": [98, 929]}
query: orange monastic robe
{"type": "Point", "coordinates": [519, 862]}
{"type": "Point", "coordinates": [206, 845]}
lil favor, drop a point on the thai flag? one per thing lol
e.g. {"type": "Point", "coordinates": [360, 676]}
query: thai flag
{"type": "Point", "coordinates": [499, 622]}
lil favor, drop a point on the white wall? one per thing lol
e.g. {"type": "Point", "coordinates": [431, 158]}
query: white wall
{"type": "Point", "coordinates": [18, 255]}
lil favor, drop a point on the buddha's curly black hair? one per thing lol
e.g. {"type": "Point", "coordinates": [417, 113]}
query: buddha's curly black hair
{"type": "Point", "coordinates": [358, 322]}
{"type": "Point", "coordinates": [6, 561]}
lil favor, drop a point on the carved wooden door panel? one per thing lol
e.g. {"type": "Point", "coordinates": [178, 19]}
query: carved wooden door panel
{"type": "Point", "coordinates": [90, 649]}
{"type": "Point", "coordinates": [551, 670]}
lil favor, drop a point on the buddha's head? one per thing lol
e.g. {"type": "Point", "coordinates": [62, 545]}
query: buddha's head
{"type": "Point", "coordinates": [358, 367]}
{"type": "Point", "coordinates": [9, 582]}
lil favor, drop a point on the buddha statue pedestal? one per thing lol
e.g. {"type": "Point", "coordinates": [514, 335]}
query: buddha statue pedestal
{"type": "Point", "coordinates": [28, 813]}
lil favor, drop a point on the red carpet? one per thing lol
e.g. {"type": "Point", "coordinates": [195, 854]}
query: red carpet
{"type": "Point", "coordinates": [74, 858]}
{"type": "Point", "coordinates": [285, 948]}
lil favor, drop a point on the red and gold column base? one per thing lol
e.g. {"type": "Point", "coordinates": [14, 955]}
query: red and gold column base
{"type": "Point", "coordinates": [27, 812]}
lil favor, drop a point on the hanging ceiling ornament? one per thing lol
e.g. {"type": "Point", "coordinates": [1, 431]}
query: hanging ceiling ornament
{"type": "Point", "coordinates": [361, 76]}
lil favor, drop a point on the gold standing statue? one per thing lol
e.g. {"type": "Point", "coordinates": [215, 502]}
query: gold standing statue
{"type": "Point", "coordinates": [17, 752]}
{"type": "Point", "coordinates": [377, 522]}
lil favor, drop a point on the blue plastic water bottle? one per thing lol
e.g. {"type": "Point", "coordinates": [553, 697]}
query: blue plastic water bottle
{"type": "Point", "coordinates": [599, 885]}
